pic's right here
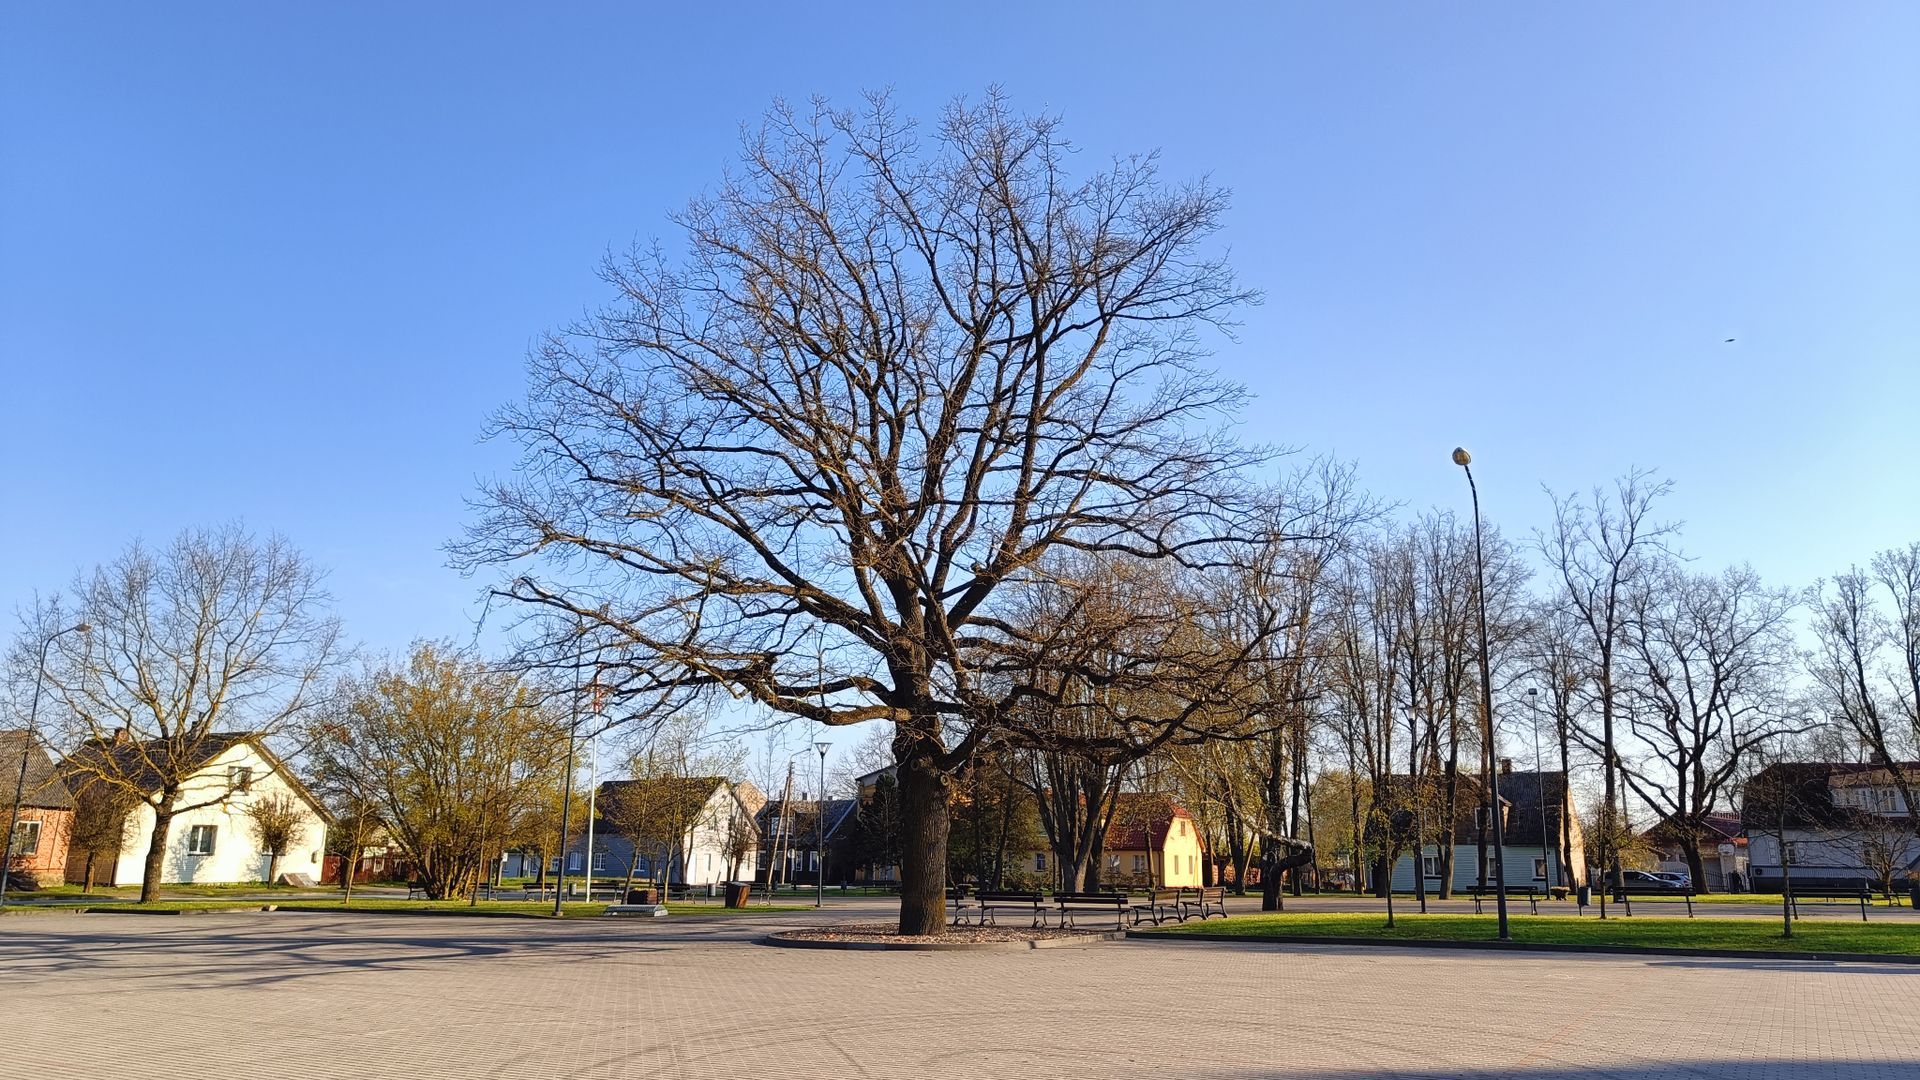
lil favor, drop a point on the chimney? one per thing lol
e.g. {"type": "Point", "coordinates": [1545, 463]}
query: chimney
{"type": "Point", "coordinates": [1506, 766]}
{"type": "Point", "coordinates": [120, 737]}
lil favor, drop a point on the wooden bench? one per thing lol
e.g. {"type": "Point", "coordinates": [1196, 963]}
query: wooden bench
{"type": "Point", "coordinates": [1529, 894]}
{"type": "Point", "coordinates": [1160, 905]}
{"type": "Point", "coordinates": [1030, 903]}
{"type": "Point", "coordinates": [416, 890]}
{"type": "Point", "coordinates": [1072, 902]}
{"type": "Point", "coordinates": [1203, 902]}
{"type": "Point", "coordinates": [530, 891]}
{"type": "Point", "coordinates": [1863, 897]}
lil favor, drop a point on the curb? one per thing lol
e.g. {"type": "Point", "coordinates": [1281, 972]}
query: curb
{"type": "Point", "coordinates": [1534, 946]}
{"type": "Point", "coordinates": [779, 942]}
{"type": "Point", "coordinates": [134, 909]}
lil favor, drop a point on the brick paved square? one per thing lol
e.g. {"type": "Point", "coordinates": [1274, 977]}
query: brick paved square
{"type": "Point", "coordinates": [306, 995]}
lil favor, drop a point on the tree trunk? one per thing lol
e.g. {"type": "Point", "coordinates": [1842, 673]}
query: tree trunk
{"type": "Point", "coordinates": [273, 867]}
{"type": "Point", "coordinates": [923, 855]}
{"type": "Point", "coordinates": [86, 886]}
{"type": "Point", "coordinates": [156, 855]}
{"type": "Point", "coordinates": [1697, 867]}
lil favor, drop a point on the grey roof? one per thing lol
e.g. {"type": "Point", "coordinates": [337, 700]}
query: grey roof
{"type": "Point", "coordinates": [839, 812]}
{"type": "Point", "coordinates": [44, 789]}
{"type": "Point", "coordinates": [1523, 793]}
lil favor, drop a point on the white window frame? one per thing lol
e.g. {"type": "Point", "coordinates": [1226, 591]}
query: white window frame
{"type": "Point", "coordinates": [1540, 867]}
{"type": "Point", "coordinates": [25, 827]}
{"type": "Point", "coordinates": [194, 834]}
{"type": "Point", "coordinates": [573, 862]}
{"type": "Point", "coordinates": [1429, 865]}
{"type": "Point", "coordinates": [240, 777]}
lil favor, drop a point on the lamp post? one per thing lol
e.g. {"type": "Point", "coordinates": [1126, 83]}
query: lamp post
{"type": "Point", "coordinates": [1465, 461]}
{"type": "Point", "coordinates": [820, 832]}
{"type": "Point", "coordinates": [26, 753]}
{"type": "Point", "coordinates": [1540, 774]}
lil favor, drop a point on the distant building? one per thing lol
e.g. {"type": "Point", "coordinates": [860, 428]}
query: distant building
{"type": "Point", "coordinates": [1830, 822]}
{"type": "Point", "coordinates": [1152, 842]}
{"type": "Point", "coordinates": [712, 815]}
{"type": "Point", "coordinates": [789, 840]}
{"type": "Point", "coordinates": [38, 847]}
{"type": "Point", "coordinates": [1721, 847]}
{"type": "Point", "coordinates": [213, 841]}
{"type": "Point", "coordinates": [1533, 806]}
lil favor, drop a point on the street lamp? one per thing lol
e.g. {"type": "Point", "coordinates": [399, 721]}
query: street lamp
{"type": "Point", "coordinates": [1465, 461]}
{"type": "Point", "coordinates": [820, 832]}
{"type": "Point", "coordinates": [26, 752]}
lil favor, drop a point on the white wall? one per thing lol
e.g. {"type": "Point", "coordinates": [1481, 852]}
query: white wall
{"type": "Point", "coordinates": [707, 861]}
{"type": "Point", "coordinates": [236, 851]}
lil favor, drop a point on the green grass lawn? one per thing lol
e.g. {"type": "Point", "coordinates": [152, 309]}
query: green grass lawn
{"type": "Point", "coordinates": [1715, 933]}
{"type": "Point", "coordinates": [234, 888]}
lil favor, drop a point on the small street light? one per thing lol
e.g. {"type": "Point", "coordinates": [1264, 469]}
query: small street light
{"type": "Point", "coordinates": [820, 832]}
{"type": "Point", "coordinates": [26, 754]}
{"type": "Point", "coordinates": [1465, 461]}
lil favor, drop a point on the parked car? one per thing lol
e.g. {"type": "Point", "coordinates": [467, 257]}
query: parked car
{"type": "Point", "coordinates": [1676, 879]}
{"type": "Point", "coordinates": [1643, 881]}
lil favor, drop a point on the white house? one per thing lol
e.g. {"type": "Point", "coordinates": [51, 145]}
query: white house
{"type": "Point", "coordinates": [717, 841]}
{"type": "Point", "coordinates": [215, 843]}
{"type": "Point", "coordinates": [1838, 825]}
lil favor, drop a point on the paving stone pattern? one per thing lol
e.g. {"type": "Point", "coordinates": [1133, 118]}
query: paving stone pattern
{"type": "Point", "coordinates": [305, 995]}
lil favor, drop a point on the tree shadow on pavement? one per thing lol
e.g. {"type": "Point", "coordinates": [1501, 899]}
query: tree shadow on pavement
{"type": "Point", "coordinates": [196, 951]}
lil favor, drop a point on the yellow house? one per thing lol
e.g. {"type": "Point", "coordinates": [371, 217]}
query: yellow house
{"type": "Point", "coordinates": [1152, 843]}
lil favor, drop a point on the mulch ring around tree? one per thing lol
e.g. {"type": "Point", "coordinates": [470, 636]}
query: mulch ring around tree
{"type": "Point", "coordinates": [884, 936]}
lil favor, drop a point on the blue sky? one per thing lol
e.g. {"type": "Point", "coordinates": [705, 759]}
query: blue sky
{"type": "Point", "coordinates": [279, 264]}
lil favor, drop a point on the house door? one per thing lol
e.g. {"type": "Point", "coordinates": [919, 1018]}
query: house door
{"type": "Point", "coordinates": [266, 868]}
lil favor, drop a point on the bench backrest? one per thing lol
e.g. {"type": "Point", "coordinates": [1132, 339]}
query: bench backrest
{"type": "Point", "coordinates": [1091, 898]}
{"type": "Point", "coordinates": [1010, 897]}
{"type": "Point", "coordinates": [1161, 896]}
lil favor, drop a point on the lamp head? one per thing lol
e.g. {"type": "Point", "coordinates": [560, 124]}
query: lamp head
{"type": "Point", "coordinates": [1461, 457]}
{"type": "Point", "coordinates": [1533, 691]}
{"type": "Point", "coordinates": [84, 628]}
{"type": "Point", "coordinates": [823, 747]}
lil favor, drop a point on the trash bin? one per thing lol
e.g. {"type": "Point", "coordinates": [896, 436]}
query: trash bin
{"type": "Point", "coordinates": [641, 896]}
{"type": "Point", "coordinates": [737, 892]}
{"type": "Point", "coordinates": [1586, 895]}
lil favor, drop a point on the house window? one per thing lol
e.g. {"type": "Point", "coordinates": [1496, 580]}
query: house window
{"type": "Point", "coordinates": [200, 839]}
{"type": "Point", "coordinates": [1040, 861]}
{"type": "Point", "coordinates": [1430, 865]}
{"type": "Point", "coordinates": [240, 777]}
{"type": "Point", "coordinates": [1139, 864]}
{"type": "Point", "coordinates": [26, 838]}
{"type": "Point", "coordinates": [553, 866]}
{"type": "Point", "coordinates": [1113, 864]}
{"type": "Point", "coordinates": [573, 860]}
{"type": "Point", "coordinates": [599, 861]}
{"type": "Point", "coordinates": [1540, 868]}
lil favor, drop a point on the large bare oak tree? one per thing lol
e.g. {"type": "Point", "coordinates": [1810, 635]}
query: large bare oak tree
{"type": "Point", "coordinates": [893, 370]}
